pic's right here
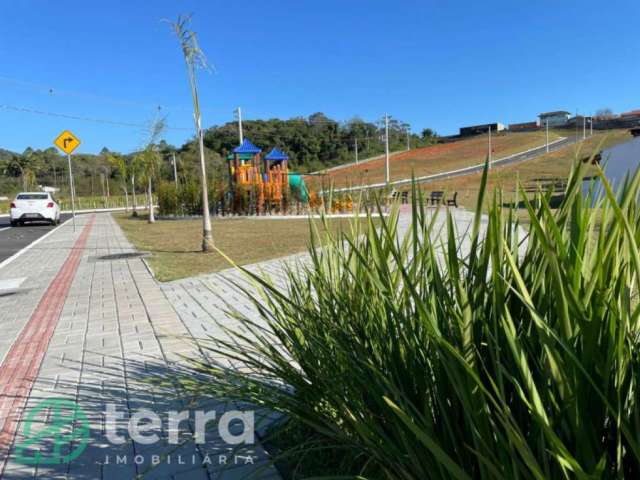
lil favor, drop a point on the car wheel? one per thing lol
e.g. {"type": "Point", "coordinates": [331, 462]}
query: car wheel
{"type": "Point", "coordinates": [14, 223]}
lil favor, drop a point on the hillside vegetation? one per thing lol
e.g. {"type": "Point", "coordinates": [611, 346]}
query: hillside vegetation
{"type": "Point", "coordinates": [312, 143]}
{"type": "Point", "coordinates": [549, 170]}
{"type": "Point", "coordinates": [434, 158]}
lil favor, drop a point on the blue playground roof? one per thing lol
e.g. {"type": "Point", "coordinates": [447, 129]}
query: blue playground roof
{"type": "Point", "coordinates": [276, 154]}
{"type": "Point", "coordinates": [247, 147]}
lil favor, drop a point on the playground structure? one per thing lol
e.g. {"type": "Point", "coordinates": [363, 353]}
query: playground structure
{"type": "Point", "coordinates": [260, 185]}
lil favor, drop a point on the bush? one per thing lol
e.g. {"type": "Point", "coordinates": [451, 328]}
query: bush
{"type": "Point", "coordinates": [168, 200]}
{"type": "Point", "coordinates": [407, 359]}
{"type": "Point", "coordinates": [191, 197]}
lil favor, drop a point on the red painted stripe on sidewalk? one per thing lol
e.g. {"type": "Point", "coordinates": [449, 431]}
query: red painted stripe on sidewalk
{"type": "Point", "coordinates": [20, 367]}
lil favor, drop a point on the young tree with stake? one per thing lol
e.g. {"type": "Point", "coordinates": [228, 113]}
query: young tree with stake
{"type": "Point", "coordinates": [134, 168]}
{"type": "Point", "coordinates": [119, 162]}
{"type": "Point", "coordinates": [151, 162]}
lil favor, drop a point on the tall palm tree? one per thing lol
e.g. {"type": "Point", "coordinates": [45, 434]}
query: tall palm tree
{"type": "Point", "coordinates": [194, 59]}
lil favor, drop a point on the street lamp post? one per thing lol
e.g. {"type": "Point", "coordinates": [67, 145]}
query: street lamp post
{"type": "Point", "coordinates": [490, 159]}
{"type": "Point", "coordinates": [546, 125]}
{"type": "Point", "coordinates": [175, 170]}
{"type": "Point", "coordinates": [386, 149]}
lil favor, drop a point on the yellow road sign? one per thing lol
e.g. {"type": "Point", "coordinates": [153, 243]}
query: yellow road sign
{"type": "Point", "coordinates": [67, 142]}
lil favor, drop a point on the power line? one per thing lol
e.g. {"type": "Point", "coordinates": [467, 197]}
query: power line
{"type": "Point", "coordinates": [84, 119]}
{"type": "Point", "coordinates": [52, 91]}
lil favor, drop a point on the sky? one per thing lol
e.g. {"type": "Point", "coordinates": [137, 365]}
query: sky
{"type": "Point", "coordinates": [432, 63]}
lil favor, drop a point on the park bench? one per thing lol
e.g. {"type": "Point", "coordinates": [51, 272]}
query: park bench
{"type": "Point", "coordinates": [403, 196]}
{"type": "Point", "coordinates": [436, 197]}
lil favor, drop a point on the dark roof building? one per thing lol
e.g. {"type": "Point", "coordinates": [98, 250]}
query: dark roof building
{"type": "Point", "coordinates": [630, 114]}
{"type": "Point", "coordinates": [554, 114]}
{"type": "Point", "coordinates": [484, 128]}
{"type": "Point", "coordinates": [520, 127]}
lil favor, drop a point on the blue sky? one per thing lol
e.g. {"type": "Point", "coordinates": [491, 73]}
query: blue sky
{"type": "Point", "coordinates": [439, 64]}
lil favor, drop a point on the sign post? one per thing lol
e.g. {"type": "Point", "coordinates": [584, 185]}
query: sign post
{"type": "Point", "coordinates": [68, 142]}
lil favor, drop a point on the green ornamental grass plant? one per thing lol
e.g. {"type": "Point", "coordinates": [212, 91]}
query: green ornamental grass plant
{"type": "Point", "coordinates": [405, 358]}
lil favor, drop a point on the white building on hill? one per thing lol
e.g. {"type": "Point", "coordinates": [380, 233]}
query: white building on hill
{"type": "Point", "coordinates": [554, 119]}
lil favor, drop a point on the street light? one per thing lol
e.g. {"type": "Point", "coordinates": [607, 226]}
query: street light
{"type": "Point", "coordinates": [546, 125]}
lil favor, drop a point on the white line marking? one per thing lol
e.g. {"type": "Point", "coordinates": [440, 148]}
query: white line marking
{"type": "Point", "coordinates": [31, 245]}
{"type": "Point", "coordinates": [10, 284]}
{"type": "Point", "coordinates": [5, 228]}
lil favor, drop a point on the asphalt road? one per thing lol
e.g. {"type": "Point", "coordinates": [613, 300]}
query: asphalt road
{"type": "Point", "coordinates": [14, 239]}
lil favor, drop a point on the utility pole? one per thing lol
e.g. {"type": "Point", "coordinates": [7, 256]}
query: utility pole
{"type": "Point", "coordinates": [546, 124]}
{"type": "Point", "coordinates": [356, 150]}
{"type": "Point", "coordinates": [72, 190]}
{"type": "Point", "coordinates": [490, 146]}
{"type": "Point", "coordinates": [584, 127]}
{"type": "Point", "coordinates": [386, 148]}
{"type": "Point", "coordinates": [175, 169]}
{"type": "Point", "coordinates": [239, 116]}
{"type": "Point", "coordinates": [590, 126]}
{"type": "Point", "coordinates": [408, 140]}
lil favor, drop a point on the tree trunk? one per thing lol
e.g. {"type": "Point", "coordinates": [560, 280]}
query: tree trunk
{"type": "Point", "coordinates": [133, 192]}
{"type": "Point", "coordinates": [207, 237]}
{"type": "Point", "coordinates": [152, 218]}
{"type": "Point", "coordinates": [126, 197]}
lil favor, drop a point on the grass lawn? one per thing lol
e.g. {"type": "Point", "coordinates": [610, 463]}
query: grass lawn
{"type": "Point", "coordinates": [541, 171]}
{"type": "Point", "coordinates": [175, 244]}
{"type": "Point", "coordinates": [434, 159]}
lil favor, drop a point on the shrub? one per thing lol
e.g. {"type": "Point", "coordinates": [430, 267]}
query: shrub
{"type": "Point", "coordinates": [168, 201]}
{"type": "Point", "coordinates": [404, 358]}
{"type": "Point", "coordinates": [191, 197]}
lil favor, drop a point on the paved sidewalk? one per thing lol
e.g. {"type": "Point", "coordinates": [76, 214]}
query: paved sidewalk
{"type": "Point", "coordinates": [202, 301]}
{"type": "Point", "coordinates": [103, 327]}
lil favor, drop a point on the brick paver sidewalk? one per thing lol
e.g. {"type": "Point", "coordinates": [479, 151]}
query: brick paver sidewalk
{"type": "Point", "coordinates": [91, 327]}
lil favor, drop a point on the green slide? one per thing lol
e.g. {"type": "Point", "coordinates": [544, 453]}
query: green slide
{"type": "Point", "coordinates": [297, 186]}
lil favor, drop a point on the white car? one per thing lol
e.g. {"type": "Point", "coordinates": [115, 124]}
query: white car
{"type": "Point", "coordinates": [34, 207]}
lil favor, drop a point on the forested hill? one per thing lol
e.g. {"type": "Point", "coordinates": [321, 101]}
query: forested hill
{"type": "Point", "coordinates": [5, 154]}
{"type": "Point", "coordinates": [312, 143]}
{"type": "Point", "coordinates": [315, 142]}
